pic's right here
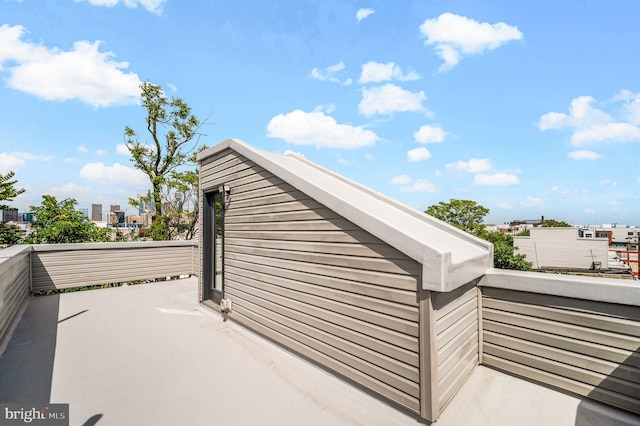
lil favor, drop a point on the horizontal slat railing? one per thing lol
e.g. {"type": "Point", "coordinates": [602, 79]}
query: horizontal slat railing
{"type": "Point", "coordinates": [57, 266]}
{"type": "Point", "coordinates": [14, 286]}
{"type": "Point", "coordinates": [558, 330]}
{"type": "Point", "coordinates": [26, 268]}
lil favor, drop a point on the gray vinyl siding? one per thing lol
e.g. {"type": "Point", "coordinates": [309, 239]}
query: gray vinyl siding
{"type": "Point", "coordinates": [457, 344]}
{"type": "Point", "coordinates": [73, 265]}
{"type": "Point", "coordinates": [586, 347]}
{"type": "Point", "coordinates": [14, 287]}
{"type": "Point", "coordinates": [316, 283]}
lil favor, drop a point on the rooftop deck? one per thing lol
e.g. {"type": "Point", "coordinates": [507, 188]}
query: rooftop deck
{"type": "Point", "coordinates": [150, 354]}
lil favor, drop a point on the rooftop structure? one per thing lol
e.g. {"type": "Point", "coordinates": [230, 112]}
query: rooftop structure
{"type": "Point", "coordinates": [563, 248]}
{"type": "Point", "coordinates": [399, 305]}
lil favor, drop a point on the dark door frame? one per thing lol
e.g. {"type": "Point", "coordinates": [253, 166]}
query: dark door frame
{"type": "Point", "coordinates": [213, 199]}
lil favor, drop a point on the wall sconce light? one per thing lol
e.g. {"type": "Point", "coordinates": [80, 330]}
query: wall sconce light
{"type": "Point", "coordinates": [224, 189]}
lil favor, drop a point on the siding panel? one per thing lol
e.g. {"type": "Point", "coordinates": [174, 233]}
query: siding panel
{"type": "Point", "coordinates": [316, 283]}
{"type": "Point", "coordinates": [72, 265]}
{"type": "Point", "coordinates": [457, 341]}
{"type": "Point", "coordinates": [589, 348]}
{"type": "Point", "coordinates": [14, 287]}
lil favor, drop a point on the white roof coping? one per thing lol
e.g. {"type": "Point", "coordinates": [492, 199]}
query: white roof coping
{"type": "Point", "coordinates": [449, 257]}
{"type": "Point", "coordinates": [599, 289]}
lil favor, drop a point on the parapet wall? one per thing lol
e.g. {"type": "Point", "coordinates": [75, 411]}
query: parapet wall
{"type": "Point", "coordinates": [577, 334]}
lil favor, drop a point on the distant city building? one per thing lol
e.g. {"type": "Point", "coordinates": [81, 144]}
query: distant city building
{"type": "Point", "coordinates": [114, 208]}
{"type": "Point", "coordinates": [116, 218]}
{"type": "Point", "coordinates": [148, 204]}
{"type": "Point", "coordinates": [10, 215]}
{"type": "Point", "coordinates": [622, 234]}
{"type": "Point", "coordinates": [134, 220]}
{"type": "Point", "coordinates": [96, 212]}
{"type": "Point", "coordinates": [532, 222]}
{"type": "Point", "coordinates": [576, 249]}
{"type": "Point", "coordinates": [27, 217]}
{"type": "Point", "coordinates": [509, 228]}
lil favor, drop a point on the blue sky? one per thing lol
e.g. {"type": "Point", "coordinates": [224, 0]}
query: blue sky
{"type": "Point", "coordinates": [529, 108]}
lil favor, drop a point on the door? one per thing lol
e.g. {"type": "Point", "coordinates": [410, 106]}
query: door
{"type": "Point", "coordinates": [214, 246]}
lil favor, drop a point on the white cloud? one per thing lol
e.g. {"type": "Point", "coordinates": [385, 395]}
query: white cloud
{"type": "Point", "coordinates": [369, 157]}
{"type": "Point", "coordinates": [421, 185]}
{"type": "Point", "coordinates": [618, 132]}
{"type": "Point", "coordinates": [589, 211]}
{"type": "Point", "coordinates": [320, 130]}
{"type": "Point", "coordinates": [504, 206]}
{"type": "Point", "coordinates": [429, 134]}
{"type": "Point", "coordinates": [34, 157]}
{"type": "Point", "coordinates": [581, 114]}
{"type": "Point", "coordinates": [611, 183]}
{"type": "Point", "coordinates": [418, 154]}
{"type": "Point", "coordinates": [400, 180]}
{"type": "Point", "coordinates": [101, 152]}
{"type": "Point", "coordinates": [121, 149]}
{"type": "Point", "coordinates": [327, 109]}
{"type": "Point", "coordinates": [294, 153]}
{"type": "Point", "coordinates": [474, 165]}
{"type": "Point", "coordinates": [530, 201]}
{"type": "Point", "coordinates": [116, 174]}
{"type": "Point", "coordinates": [154, 6]}
{"type": "Point", "coordinates": [589, 124]}
{"type": "Point", "coordinates": [390, 98]}
{"type": "Point", "coordinates": [172, 87]}
{"type": "Point", "coordinates": [454, 36]}
{"type": "Point", "coordinates": [569, 191]}
{"type": "Point", "coordinates": [363, 13]}
{"type": "Point", "coordinates": [69, 189]}
{"type": "Point", "coordinates": [82, 73]}
{"type": "Point", "coordinates": [328, 73]}
{"type": "Point", "coordinates": [82, 148]}
{"type": "Point", "coordinates": [69, 160]}
{"type": "Point", "coordinates": [497, 179]}
{"type": "Point", "coordinates": [584, 155]}
{"type": "Point", "coordinates": [632, 105]}
{"type": "Point", "coordinates": [375, 72]}
{"type": "Point", "coordinates": [335, 68]}
{"type": "Point", "coordinates": [10, 161]}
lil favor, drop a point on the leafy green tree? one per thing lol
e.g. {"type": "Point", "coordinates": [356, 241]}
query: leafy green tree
{"type": "Point", "coordinates": [175, 134]}
{"type": "Point", "coordinates": [549, 223]}
{"type": "Point", "coordinates": [179, 204]}
{"type": "Point", "coordinates": [182, 201]}
{"type": "Point", "coordinates": [8, 190]}
{"type": "Point", "coordinates": [464, 214]}
{"type": "Point", "coordinates": [9, 234]}
{"type": "Point", "coordinates": [504, 256]}
{"type": "Point", "coordinates": [468, 216]}
{"type": "Point", "coordinates": [60, 223]}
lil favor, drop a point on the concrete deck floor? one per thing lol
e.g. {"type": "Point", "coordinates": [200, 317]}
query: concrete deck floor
{"type": "Point", "coordinates": [150, 355]}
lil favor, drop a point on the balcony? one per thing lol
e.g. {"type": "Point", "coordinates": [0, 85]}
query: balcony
{"type": "Point", "coordinates": [151, 354]}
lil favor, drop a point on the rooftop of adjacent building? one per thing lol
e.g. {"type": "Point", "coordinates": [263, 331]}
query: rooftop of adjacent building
{"type": "Point", "coordinates": [150, 354]}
